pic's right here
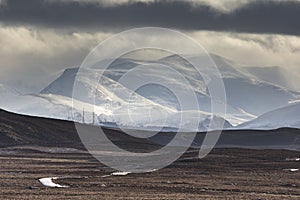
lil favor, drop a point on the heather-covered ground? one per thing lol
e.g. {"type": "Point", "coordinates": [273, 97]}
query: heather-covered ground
{"type": "Point", "coordinates": [224, 174]}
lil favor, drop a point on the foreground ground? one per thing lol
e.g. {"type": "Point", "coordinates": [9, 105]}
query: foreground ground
{"type": "Point", "coordinates": [224, 174]}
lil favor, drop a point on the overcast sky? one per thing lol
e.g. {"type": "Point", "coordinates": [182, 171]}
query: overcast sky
{"type": "Point", "coordinates": [38, 39]}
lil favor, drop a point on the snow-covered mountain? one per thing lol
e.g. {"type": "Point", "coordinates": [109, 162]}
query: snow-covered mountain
{"type": "Point", "coordinates": [109, 91]}
{"type": "Point", "coordinates": [248, 95]}
{"type": "Point", "coordinates": [287, 116]}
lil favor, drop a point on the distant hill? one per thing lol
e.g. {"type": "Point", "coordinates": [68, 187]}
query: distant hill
{"type": "Point", "coordinates": [17, 129]}
{"type": "Point", "coordinates": [287, 116]}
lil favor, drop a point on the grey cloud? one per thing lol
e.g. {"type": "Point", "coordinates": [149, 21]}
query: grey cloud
{"type": "Point", "coordinates": [279, 17]}
{"type": "Point", "coordinates": [30, 57]}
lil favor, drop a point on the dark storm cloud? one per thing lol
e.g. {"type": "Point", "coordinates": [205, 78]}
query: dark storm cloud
{"type": "Point", "coordinates": [280, 17]}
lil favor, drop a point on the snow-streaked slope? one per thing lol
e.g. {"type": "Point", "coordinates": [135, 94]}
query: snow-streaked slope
{"type": "Point", "coordinates": [60, 107]}
{"type": "Point", "coordinates": [133, 115]}
{"type": "Point", "coordinates": [288, 116]}
{"type": "Point", "coordinates": [94, 90]}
